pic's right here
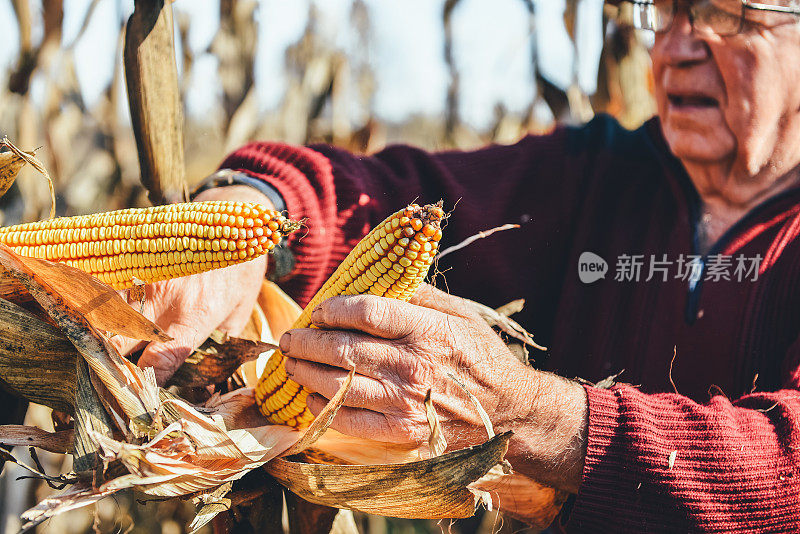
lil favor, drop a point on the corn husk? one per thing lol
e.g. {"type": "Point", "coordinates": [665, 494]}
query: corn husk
{"type": "Point", "coordinates": [171, 448]}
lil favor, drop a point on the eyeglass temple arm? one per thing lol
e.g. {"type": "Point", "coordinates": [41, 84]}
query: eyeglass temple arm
{"type": "Point", "coordinates": [766, 7]}
{"type": "Point", "coordinates": [745, 4]}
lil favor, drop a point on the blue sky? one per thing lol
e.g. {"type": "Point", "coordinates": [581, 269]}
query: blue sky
{"type": "Point", "coordinates": [491, 46]}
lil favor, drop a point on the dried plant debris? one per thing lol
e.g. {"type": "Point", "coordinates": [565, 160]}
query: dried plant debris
{"type": "Point", "coordinates": [217, 359]}
{"type": "Point", "coordinates": [164, 447]}
{"type": "Point", "coordinates": [435, 488]}
{"type": "Point", "coordinates": [437, 443]}
{"type": "Point", "coordinates": [10, 167]}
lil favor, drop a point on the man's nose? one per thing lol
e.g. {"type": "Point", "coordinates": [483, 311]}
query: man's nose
{"type": "Point", "coordinates": [680, 45]}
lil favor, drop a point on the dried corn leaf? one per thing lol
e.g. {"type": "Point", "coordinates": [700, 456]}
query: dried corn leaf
{"type": "Point", "coordinates": [31, 436]}
{"type": "Point", "coordinates": [276, 313]}
{"type": "Point", "coordinates": [521, 497]}
{"type": "Point", "coordinates": [77, 496]}
{"type": "Point", "coordinates": [213, 503]}
{"type": "Point", "coordinates": [344, 449]}
{"type": "Point", "coordinates": [433, 488]}
{"type": "Point", "coordinates": [10, 165]}
{"type": "Point", "coordinates": [27, 343]}
{"type": "Point", "coordinates": [28, 157]}
{"type": "Point", "coordinates": [100, 305]}
{"type": "Point", "coordinates": [281, 309]}
{"type": "Point", "coordinates": [217, 359]}
{"type": "Point", "coordinates": [504, 323]}
{"type": "Point", "coordinates": [237, 408]}
{"type": "Point", "coordinates": [436, 442]}
{"type": "Point", "coordinates": [195, 454]}
{"type": "Point", "coordinates": [12, 290]}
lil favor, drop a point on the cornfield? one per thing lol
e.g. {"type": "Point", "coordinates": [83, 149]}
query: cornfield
{"type": "Point", "coordinates": [111, 155]}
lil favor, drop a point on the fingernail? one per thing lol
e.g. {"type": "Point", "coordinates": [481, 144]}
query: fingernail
{"type": "Point", "coordinates": [316, 316]}
{"type": "Point", "coordinates": [286, 340]}
{"type": "Point", "coordinates": [289, 366]}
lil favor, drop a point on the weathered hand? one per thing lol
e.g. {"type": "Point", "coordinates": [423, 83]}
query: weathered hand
{"type": "Point", "coordinates": [400, 350]}
{"type": "Point", "coordinates": [191, 307]}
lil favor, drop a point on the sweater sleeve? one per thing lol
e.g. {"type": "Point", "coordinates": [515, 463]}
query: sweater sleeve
{"type": "Point", "coordinates": [663, 463]}
{"type": "Point", "coordinates": [342, 196]}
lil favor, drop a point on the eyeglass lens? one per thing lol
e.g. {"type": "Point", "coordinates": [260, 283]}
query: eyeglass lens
{"type": "Point", "coordinates": [721, 17]}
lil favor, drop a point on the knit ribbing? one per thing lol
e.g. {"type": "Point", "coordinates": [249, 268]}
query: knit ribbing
{"type": "Point", "coordinates": [673, 465]}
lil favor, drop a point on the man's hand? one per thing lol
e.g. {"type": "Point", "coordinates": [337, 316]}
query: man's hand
{"type": "Point", "coordinates": [191, 307]}
{"type": "Point", "coordinates": [400, 350]}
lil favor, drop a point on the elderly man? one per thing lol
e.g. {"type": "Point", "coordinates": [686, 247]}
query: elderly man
{"type": "Point", "coordinates": [698, 215]}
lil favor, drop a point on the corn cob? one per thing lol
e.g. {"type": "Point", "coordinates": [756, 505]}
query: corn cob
{"type": "Point", "coordinates": [391, 261]}
{"type": "Point", "coordinates": [152, 244]}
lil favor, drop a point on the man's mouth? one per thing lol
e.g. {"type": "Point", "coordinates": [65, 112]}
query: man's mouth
{"type": "Point", "coordinates": [685, 101]}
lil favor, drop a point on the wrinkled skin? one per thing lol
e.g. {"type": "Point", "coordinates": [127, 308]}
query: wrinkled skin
{"type": "Point", "coordinates": [745, 146]}
{"type": "Point", "coordinates": [400, 350]}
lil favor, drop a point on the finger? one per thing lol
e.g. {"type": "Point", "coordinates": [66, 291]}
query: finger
{"type": "Point", "coordinates": [373, 425]}
{"type": "Point", "coordinates": [428, 296]}
{"type": "Point", "coordinates": [378, 316]}
{"type": "Point", "coordinates": [339, 348]}
{"type": "Point", "coordinates": [364, 392]}
{"type": "Point", "coordinates": [166, 357]}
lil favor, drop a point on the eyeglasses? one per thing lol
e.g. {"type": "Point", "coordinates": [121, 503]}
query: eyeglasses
{"type": "Point", "coordinates": [718, 17]}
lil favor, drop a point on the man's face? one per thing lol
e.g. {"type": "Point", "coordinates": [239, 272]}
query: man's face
{"type": "Point", "coordinates": [733, 100]}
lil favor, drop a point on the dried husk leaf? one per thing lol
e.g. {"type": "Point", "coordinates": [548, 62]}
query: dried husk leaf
{"type": "Point", "coordinates": [281, 309]}
{"type": "Point", "coordinates": [344, 449]}
{"type": "Point", "coordinates": [213, 503]}
{"type": "Point", "coordinates": [31, 436]}
{"type": "Point", "coordinates": [10, 165]}
{"type": "Point", "coordinates": [434, 489]}
{"type": "Point", "coordinates": [90, 417]}
{"type": "Point", "coordinates": [324, 419]}
{"type": "Point", "coordinates": [28, 157]}
{"type": "Point", "coordinates": [521, 497]}
{"type": "Point", "coordinates": [436, 442]}
{"type": "Point", "coordinates": [511, 492]}
{"type": "Point", "coordinates": [96, 302]}
{"type": "Point", "coordinates": [216, 360]}
{"type": "Point", "coordinates": [501, 320]}
{"type": "Point", "coordinates": [27, 343]}
{"type": "Point", "coordinates": [77, 496]}
{"type": "Point", "coordinates": [276, 312]}
{"type": "Point", "coordinates": [12, 290]}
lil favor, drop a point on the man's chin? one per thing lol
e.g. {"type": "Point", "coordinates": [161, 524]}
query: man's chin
{"type": "Point", "coordinates": [699, 144]}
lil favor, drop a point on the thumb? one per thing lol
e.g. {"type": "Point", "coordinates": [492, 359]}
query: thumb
{"type": "Point", "coordinates": [165, 357]}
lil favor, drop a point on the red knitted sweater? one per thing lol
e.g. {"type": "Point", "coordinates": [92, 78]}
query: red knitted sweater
{"type": "Point", "coordinates": [719, 449]}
